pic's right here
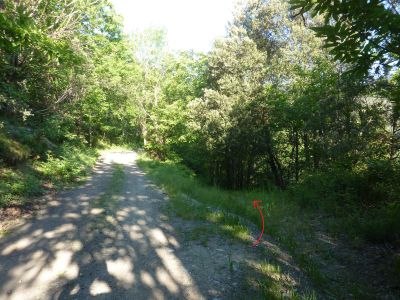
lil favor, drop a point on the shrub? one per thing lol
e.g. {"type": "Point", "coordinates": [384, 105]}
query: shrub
{"type": "Point", "coordinates": [12, 151]}
{"type": "Point", "coordinates": [68, 165]}
{"type": "Point", "coordinates": [381, 225]}
{"type": "Point", "coordinates": [17, 185]}
{"type": "Point", "coordinates": [366, 202]}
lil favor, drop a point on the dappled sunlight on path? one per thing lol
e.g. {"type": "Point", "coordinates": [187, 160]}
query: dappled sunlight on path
{"type": "Point", "coordinates": [65, 252]}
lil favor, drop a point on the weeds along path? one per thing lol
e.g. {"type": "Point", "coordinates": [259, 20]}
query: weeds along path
{"type": "Point", "coordinates": [111, 239]}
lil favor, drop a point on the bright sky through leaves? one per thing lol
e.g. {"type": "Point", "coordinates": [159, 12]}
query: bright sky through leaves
{"type": "Point", "coordinates": [190, 24]}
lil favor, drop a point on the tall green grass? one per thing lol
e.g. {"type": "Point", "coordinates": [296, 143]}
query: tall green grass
{"type": "Point", "coordinates": [179, 181]}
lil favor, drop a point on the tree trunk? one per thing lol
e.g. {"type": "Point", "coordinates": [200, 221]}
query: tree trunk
{"type": "Point", "coordinates": [275, 168]}
{"type": "Point", "coordinates": [144, 133]}
{"type": "Point", "coordinates": [306, 149]}
{"type": "Point", "coordinates": [296, 155]}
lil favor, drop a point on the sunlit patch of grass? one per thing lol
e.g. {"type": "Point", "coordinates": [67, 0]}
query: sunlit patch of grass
{"type": "Point", "coordinates": [12, 150]}
{"type": "Point", "coordinates": [237, 231]}
{"type": "Point", "coordinates": [272, 282]}
{"type": "Point", "coordinates": [305, 296]}
{"type": "Point", "coordinates": [225, 223]}
{"type": "Point", "coordinates": [5, 232]}
{"type": "Point", "coordinates": [270, 279]}
{"type": "Point", "coordinates": [18, 184]}
{"type": "Point", "coordinates": [270, 269]}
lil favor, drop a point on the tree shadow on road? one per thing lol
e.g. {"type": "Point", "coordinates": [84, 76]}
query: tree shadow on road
{"type": "Point", "coordinates": [67, 253]}
{"type": "Point", "coordinates": [76, 250]}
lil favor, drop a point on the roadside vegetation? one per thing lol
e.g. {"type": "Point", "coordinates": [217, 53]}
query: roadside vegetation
{"type": "Point", "coordinates": [64, 68]}
{"type": "Point", "coordinates": [305, 232]}
{"type": "Point", "coordinates": [28, 179]}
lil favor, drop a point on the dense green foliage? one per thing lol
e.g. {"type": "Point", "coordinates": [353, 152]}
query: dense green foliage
{"type": "Point", "coordinates": [68, 165]}
{"type": "Point", "coordinates": [270, 106]}
{"type": "Point", "coordinates": [67, 79]}
{"type": "Point", "coordinates": [362, 33]}
{"type": "Point", "coordinates": [267, 106]}
{"type": "Point", "coordinates": [67, 72]}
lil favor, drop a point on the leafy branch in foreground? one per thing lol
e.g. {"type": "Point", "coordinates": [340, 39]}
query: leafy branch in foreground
{"type": "Point", "coordinates": [362, 33]}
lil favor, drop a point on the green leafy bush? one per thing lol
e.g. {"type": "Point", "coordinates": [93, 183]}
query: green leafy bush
{"type": "Point", "coordinates": [381, 225]}
{"type": "Point", "coordinates": [365, 203]}
{"type": "Point", "coordinates": [17, 185]}
{"type": "Point", "coordinates": [327, 190]}
{"type": "Point", "coordinates": [70, 164]}
{"type": "Point", "coordinates": [372, 186]}
{"type": "Point", "coordinates": [12, 151]}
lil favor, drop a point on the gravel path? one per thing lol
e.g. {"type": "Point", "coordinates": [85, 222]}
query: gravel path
{"type": "Point", "coordinates": [62, 253]}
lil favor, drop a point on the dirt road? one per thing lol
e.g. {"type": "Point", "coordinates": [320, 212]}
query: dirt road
{"type": "Point", "coordinates": [63, 254]}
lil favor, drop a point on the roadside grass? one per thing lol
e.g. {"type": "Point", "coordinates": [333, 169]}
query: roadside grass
{"type": "Point", "coordinates": [291, 225]}
{"type": "Point", "coordinates": [105, 205]}
{"type": "Point", "coordinates": [275, 282]}
{"type": "Point", "coordinates": [68, 166]}
{"type": "Point", "coordinates": [229, 211]}
{"type": "Point", "coordinates": [16, 185]}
